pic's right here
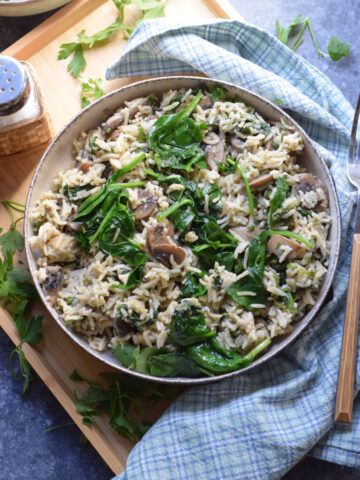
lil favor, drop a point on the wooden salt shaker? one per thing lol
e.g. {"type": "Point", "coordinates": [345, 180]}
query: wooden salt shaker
{"type": "Point", "coordinates": [24, 122]}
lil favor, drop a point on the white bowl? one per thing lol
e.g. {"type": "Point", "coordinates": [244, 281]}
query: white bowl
{"type": "Point", "coordinates": [28, 7]}
{"type": "Point", "coordinates": [58, 157]}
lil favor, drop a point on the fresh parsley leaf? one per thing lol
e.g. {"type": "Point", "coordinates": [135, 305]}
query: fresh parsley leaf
{"type": "Point", "coordinates": [11, 241]}
{"type": "Point", "coordinates": [278, 101]}
{"type": "Point", "coordinates": [75, 376]}
{"type": "Point", "coordinates": [283, 34]}
{"type": "Point", "coordinates": [91, 89]}
{"type": "Point", "coordinates": [78, 62]}
{"type": "Point", "coordinates": [338, 49]}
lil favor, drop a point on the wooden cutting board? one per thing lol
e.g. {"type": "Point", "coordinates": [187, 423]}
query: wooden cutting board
{"type": "Point", "coordinates": [57, 355]}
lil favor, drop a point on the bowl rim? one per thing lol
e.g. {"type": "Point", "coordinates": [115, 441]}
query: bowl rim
{"type": "Point", "coordinates": [280, 345]}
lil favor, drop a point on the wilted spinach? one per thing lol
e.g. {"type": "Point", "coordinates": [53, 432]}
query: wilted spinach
{"type": "Point", "coordinates": [176, 139]}
{"type": "Point", "coordinates": [278, 198]}
{"type": "Point", "coordinates": [253, 282]}
{"type": "Point", "coordinates": [192, 287]}
{"type": "Point", "coordinates": [188, 325]}
{"type": "Point", "coordinates": [214, 358]}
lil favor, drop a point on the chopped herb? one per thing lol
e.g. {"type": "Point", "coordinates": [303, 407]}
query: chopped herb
{"type": "Point", "coordinates": [91, 89]}
{"type": "Point", "coordinates": [335, 48]}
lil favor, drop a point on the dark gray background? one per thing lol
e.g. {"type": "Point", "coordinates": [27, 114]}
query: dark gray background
{"type": "Point", "coordinates": [26, 451]}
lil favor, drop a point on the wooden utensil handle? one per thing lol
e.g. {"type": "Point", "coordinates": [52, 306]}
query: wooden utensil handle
{"type": "Point", "coordinates": [345, 389]}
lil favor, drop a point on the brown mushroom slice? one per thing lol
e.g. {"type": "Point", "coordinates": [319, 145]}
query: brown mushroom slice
{"type": "Point", "coordinates": [112, 124]}
{"type": "Point", "coordinates": [309, 183]}
{"type": "Point", "coordinates": [158, 234]}
{"type": "Point", "coordinates": [237, 143]}
{"type": "Point", "coordinates": [277, 241]}
{"type": "Point", "coordinates": [214, 153]}
{"type": "Point", "coordinates": [243, 233]}
{"type": "Point", "coordinates": [146, 208]}
{"type": "Point", "coordinates": [75, 226]}
{"type": "Point", "coordinates": [163, 253]}
{"type": "Point", "coordinates": [53, 282]}
{"type": "Point", "coordinates": [135, 107]}
{"type": "Point", "coordinates": [206, 102]}
{"type": "Point", "coordinates": [84, 167]}
{"type": "Point", "coordinates": [123, 328]}
{"type": "Point", "coordinates": [261, 180]}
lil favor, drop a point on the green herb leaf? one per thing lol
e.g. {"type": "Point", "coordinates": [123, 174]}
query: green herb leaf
{"type": "Point", "coordinates": [91, 89]}
{"type": "Point", "coordinates": [338, 49]}
{"type": "Point", "coordinates": [11, 241]}
{"type": "Point", "coordinates": [283, 34]}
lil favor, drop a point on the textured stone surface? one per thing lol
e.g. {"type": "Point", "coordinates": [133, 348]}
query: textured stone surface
{"type": "Point", "coordinates": [26, 451]}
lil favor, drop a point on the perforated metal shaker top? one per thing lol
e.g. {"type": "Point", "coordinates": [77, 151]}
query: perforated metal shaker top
{"type": "Point", "coordinates": [14, 85]}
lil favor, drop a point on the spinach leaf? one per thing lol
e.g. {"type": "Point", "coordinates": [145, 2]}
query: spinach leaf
{"type": "Point", "coordinates": [278, 198]}
{"type": "Point", "coordinates": [188, 325]}
{"type": "Point", "coordinates": [213, 357]}
{"type": "Point", "coordinates": [176, 138]}
{"type": "Point", "coordinates": [210, 254]}
{"type": "Point", "coordinates": [131, 316]}
{"type": "Point", "coordinates": [183, 217]}
{"type": "Point", "coordinates": [218, 93]}
{"type": "Point", "coordinates": [253, 282]}
{"type": "Point", "coordinates": [72, 192]}
{"type": "Point", "coordinates": [192, 287]}
{"type": "Point", "coordinates": [174, 365]}
{"type": "Point", "coordinates": [214, 198]}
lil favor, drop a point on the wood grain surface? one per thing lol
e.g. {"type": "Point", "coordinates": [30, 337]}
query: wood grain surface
{"type": "Point", "coordinates": [345, 390]}
{"type": "Point", "coordinates": [57, 355]}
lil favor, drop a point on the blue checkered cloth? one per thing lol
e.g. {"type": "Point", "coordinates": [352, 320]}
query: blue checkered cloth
{"type": "Point", "coordinates": [257, 425]}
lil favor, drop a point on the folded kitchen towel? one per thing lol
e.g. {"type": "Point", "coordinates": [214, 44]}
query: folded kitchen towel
{"type": "Point", "coordinates": [259, 424]}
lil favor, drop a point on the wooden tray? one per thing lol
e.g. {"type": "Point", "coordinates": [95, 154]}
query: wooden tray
{"type": "Point", "coordinates": [57, 355]}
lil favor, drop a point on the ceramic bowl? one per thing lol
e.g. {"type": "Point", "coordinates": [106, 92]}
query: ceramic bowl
{"type": "Point", "coordinates": [58, 156]}
{"type": "Point", "coordinates": [21, 8]}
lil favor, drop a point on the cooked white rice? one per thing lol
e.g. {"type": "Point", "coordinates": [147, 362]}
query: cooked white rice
{"type": "Point", "coordinates": [89, 303]}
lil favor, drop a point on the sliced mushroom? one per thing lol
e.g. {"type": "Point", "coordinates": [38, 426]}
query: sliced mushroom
{"type": "Point", "coordinates": [215, 153]}
{"type": "Point", "coordinates": [309, 183]}
{"type": "Point", "coordinates": [84, 167]}
{"type": "Point", "coordinates": [159, 246]}
{"type": "Point", "coordinates": [123, 328]}
{"type": "Point", "coordinates": [206, 102]}
{"type": "Point", "coordinates": [112, 124]}
{"type": "Point", "coordinates": [237, 143]}
{"type": "Point", "coordinates": [75, 226]}
{"type": "Point", "coordinates": [158, 234]}
{"type": "Point", "coordinates": [243, 233]}
{"type": "Point", "coordinates": [261, 180]}
{"type": "Point", "coordinates": [134, 108]}
{"type": "Point", "coordinates": [53, 282]}
{"type": "Point", "coordinates": [106, 172]}
{"type": "Point", "coordinates": [163, 253]}
{"type": "Point", "coordinates": [277, 241]}
{"type": "Point", "coordinates": [146, 208]}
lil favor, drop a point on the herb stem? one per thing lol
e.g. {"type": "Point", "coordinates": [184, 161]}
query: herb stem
{"type": "Point", "coordinates": [320, 53]}
{"type": "Point", "coordinates": [126, 168]}
{"type": "Point", "coordinates": [286, 233]}
{"type": "Point", "coordinates": [246, 185]}
{"type": "Point", "coordinates": [50, 429]}
{"type": "Point", "coordinates": [173, 208]}
{"type": "Point", "coordinates": [299, 40]}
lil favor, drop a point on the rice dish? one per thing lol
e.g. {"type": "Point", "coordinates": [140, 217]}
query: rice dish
{"type": "Point", "coordinates": [186, 236]}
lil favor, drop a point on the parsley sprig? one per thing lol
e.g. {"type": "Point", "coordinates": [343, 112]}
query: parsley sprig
{"type": "Point", "coordinates": [124, 399]}
{"type": "Point", "coordinates": [149, 9]}
{"type": "Point", "coordinates": [336, 49]}
{"type": "Point", "coordinates": [91, 89]}
{"type": "Point", "coordinates": [17, 293]}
